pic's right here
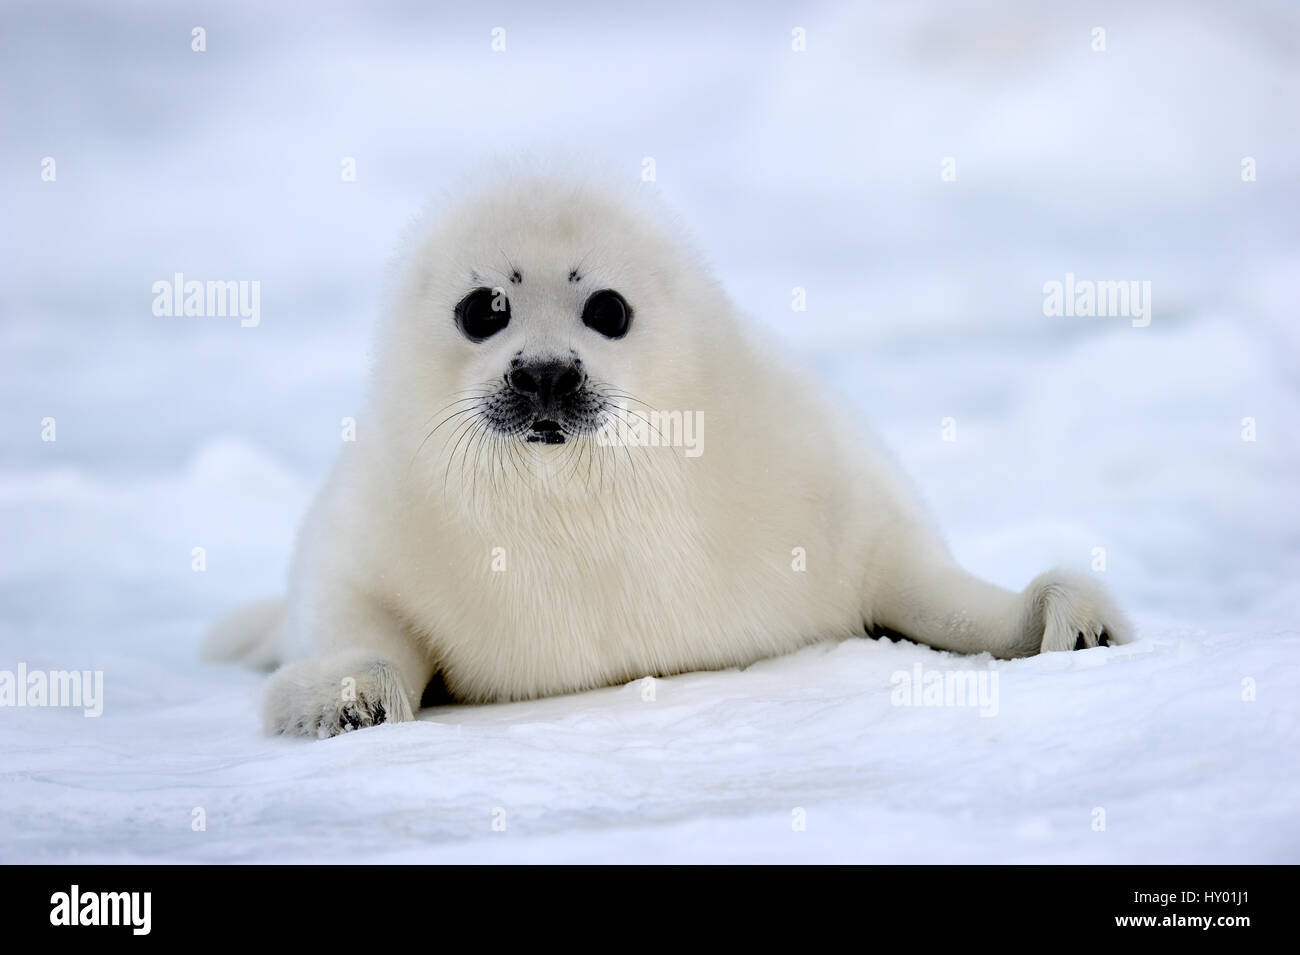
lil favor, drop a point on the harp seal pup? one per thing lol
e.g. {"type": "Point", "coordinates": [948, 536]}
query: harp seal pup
{"type": "Point", "coordinates": [501, 522]}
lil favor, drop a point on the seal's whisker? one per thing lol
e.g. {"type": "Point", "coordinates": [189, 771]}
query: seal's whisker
{"type": "Point", "coordinates": [481, 442]}
{"type": "Point", "coordinates": [463, 429]}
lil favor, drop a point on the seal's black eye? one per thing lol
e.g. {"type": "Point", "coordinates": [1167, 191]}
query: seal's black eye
{"type": "Point", "coordinates": [482, 313]}
{"type": "Point", "coordinates": [608, 313]}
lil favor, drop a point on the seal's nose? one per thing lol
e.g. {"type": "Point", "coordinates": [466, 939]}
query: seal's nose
{"type": "Point", "coordinates": [546, 381]}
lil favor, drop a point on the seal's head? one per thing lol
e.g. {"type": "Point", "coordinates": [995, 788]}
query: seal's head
{"type": "Point", "coordinates": [535, 314]}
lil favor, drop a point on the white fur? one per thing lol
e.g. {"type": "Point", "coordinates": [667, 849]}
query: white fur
{"type": "Point", "coordinates": [619, 562]}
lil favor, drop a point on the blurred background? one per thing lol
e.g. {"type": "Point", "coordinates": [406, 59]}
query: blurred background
{"type": "Point", "coordinates": [819, 168]}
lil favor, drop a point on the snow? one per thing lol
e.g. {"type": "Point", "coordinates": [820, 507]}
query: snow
{"type": "Point", "coordinates": [818, 170]}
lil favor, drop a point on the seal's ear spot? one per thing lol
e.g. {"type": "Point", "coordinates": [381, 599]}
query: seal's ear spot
{"type": "Point", "coordinates": [608, 313]}
{"type": "Point", "coordinates": [482, 313]}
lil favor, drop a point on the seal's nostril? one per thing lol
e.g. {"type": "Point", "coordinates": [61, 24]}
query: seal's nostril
{"type": "Point", "coordinates": [568, 383]}
{"type": "Point", "coordinates": [521, 381]}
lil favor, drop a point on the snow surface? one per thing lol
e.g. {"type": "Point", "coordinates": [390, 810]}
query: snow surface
{"type": "Point", "coordinates": [818, 170]}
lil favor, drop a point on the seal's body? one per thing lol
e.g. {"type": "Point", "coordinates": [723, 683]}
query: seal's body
{"type": "Point", "coordinates": [577, 467]}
